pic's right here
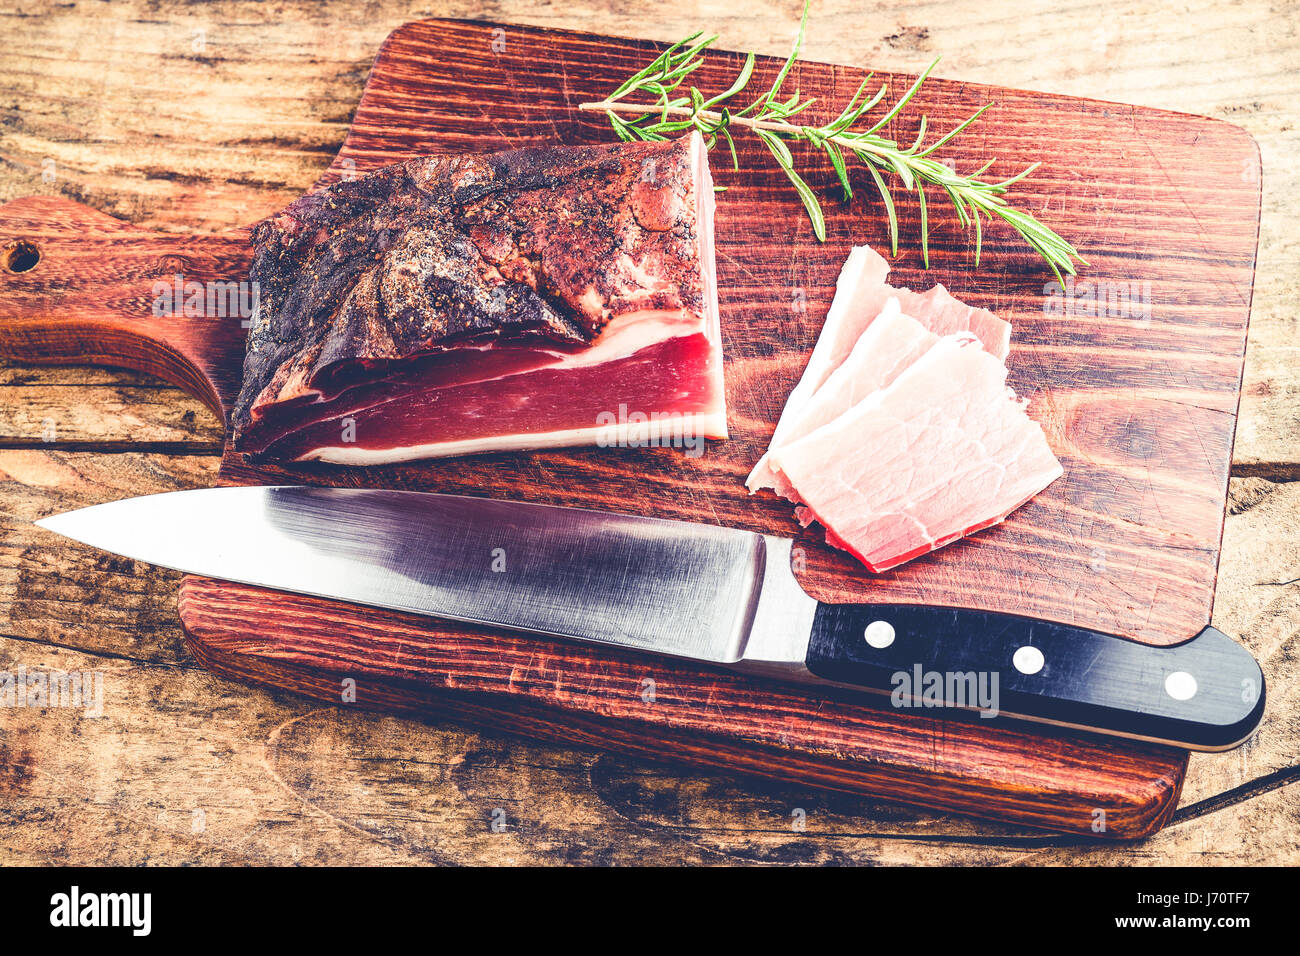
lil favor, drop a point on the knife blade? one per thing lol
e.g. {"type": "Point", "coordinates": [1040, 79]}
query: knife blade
{"type": "Point", "coordinates": [721, 596]}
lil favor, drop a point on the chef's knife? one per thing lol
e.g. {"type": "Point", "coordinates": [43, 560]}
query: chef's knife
{"type": "Point", "coordinates": [721, 596]}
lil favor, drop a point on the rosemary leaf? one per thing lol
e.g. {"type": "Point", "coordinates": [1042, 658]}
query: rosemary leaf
{"type": "Point", "coordinates": [889, 207]}
{"type": "Point", "coordinates": [837, 160]}
{"type": "Point", "coordinates": [925, 226]}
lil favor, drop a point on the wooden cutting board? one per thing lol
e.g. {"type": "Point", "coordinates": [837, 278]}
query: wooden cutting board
{"type": "Point", "coordinates": [1139, 403]}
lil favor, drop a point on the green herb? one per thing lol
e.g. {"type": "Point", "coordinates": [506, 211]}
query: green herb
{"type": "Point", "coordinates": [769, 117]}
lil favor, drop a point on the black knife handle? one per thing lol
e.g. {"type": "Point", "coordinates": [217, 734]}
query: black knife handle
{"type": "Point", "coordinates": [1203, 694]}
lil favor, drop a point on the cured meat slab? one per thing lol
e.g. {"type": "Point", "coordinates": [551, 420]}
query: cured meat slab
{"type": "Point", "coordinates": [463, 304]}
{"type": "Point", "coordinates": [1140, 404]}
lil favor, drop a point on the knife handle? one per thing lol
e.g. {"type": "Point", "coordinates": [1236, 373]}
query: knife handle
{"type": "Point", "coordinates": [1203, 694]}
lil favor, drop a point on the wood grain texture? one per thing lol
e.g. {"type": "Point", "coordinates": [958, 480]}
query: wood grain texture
{"type": "Point", "coordinates": [265, 105]}
{"type": "Point", "coordinates": [256, 103]}
{"type": "Point", "coordinates": [105, 409]}
{"type": "Point", "coordinates": [186, 767]}
{"type": "Point", "coordinates": [646, 706]}
{"type": "Point", "coordinates": [90, 297]}
{"type": "Point", "coordinates": [1140, 409]}
{"type": "Point", "coordinates": [92, 304]}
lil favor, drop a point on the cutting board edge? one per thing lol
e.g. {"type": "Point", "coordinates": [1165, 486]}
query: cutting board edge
{"type": "Point", "coordinates": [238, 639]}
{"type": "Point", "coordinates": [762, 60]}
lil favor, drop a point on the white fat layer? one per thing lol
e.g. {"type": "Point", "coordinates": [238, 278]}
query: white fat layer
{"type": "Point", "coordinates": [628, 334]}
{"type": "Point", "coordinates": [628, 434]}
{"type": "Point", "coordinates": [705, 207]}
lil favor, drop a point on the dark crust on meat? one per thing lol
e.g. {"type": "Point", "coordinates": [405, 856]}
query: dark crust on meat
{"type": "Point", "coordinates": [542, 244]}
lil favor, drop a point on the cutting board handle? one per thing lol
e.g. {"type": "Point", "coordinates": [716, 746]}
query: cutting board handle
{"type": "Point", "coordinates": [80, 287]}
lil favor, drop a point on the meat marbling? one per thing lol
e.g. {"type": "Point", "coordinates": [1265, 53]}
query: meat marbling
{"type": "Point", "coordinates": [891, 343]}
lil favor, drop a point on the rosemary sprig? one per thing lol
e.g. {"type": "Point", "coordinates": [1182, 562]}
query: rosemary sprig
{"type": "Point", "coordinates": [672, 110]}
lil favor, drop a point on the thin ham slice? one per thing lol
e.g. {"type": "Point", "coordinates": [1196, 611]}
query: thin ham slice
{"type": "Point", "coordinates": [891, 343]}
{"type": "Point", "coordinates": [943, 451]}
{"type": "Point", "coordinates": [944, 315]}
{"type": "Point", "coordinates": [861, 294]}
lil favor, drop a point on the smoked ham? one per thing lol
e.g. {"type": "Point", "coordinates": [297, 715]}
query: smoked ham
{"type": "Point", "coordinates": [944, 451]}
{"type": "Point", "coordinates": [891, 343]}
{"type": "Point", "coordinates": [860, 296]}
{"type": "Point", "coordinates": [532, 298]}
{"type": "Point", "coordinates": [902, 436]}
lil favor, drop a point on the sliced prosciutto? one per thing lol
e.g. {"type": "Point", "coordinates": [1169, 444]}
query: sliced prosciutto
{"type": "Point", "coordinates": [943, 451]}
{"type": "Point", "coordinates": [861, 294]}
{"type": "Point", "coordinates": [891, 343]}
{"type": "Point", "coordinates": [532, 298]}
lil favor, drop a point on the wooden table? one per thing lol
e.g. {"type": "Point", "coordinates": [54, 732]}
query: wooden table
{"type": "Point", "coordinates": [186, 119]}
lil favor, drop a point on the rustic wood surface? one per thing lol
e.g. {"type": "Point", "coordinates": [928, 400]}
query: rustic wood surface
{"type": "Point", "coordinates": [679, 713]}
{"type": "Point", "coordinates": [305, 770]}
{"type": "Point", "coordinates": [1140, 409]}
